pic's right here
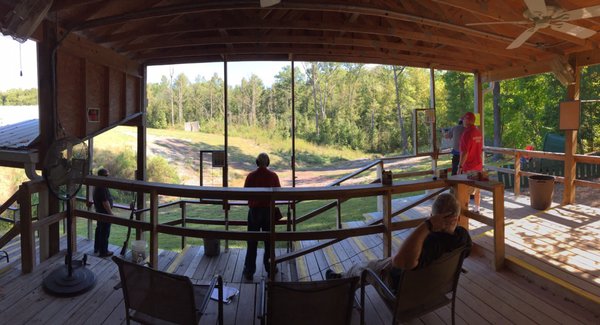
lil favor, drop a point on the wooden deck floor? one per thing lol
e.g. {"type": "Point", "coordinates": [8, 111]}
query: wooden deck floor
{"type": "Point", "coordinates": [562, 242]}
{"type": "Point", "coordinates": [484, 296]}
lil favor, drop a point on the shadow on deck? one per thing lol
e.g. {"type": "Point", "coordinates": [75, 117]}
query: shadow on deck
{"type": "Point", "coordinates": [484, 296]}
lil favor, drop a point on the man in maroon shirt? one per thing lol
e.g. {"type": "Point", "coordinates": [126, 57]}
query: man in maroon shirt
{"type": "Point", "coordinates": [259, 213]}
{"type": "Point", "coordinates": [471, 149]}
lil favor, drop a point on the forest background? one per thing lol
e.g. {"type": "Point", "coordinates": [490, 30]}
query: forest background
{"type": "Point", "coordinates": [367, 108]}
{"type": "Point", "coordinates": [355, 111]}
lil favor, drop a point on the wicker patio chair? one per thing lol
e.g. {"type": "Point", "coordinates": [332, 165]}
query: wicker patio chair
{"type": "Point", "coordinates": [156, 297]}
{"type": "Point", "coordinates": [420, 291]}
{"type": "Point", "coordinates": [318, 302]}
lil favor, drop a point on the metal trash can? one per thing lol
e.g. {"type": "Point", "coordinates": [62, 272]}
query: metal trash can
{"type": "Point", "coordinates": [212, 247]}
{"type": "Point", "coordinates": [541, 190]}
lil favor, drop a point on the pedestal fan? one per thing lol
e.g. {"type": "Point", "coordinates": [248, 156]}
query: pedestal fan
{"type": "Point", "coordinates": [65, 166]}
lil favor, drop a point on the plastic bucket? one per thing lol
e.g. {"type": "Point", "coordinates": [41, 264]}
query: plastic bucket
{"type": "Point", "coordinates": [541, 190]}
{"type": "Point", "coordinates": [212, 247]}
{"type": "Point", "coordinates": [138, 251]}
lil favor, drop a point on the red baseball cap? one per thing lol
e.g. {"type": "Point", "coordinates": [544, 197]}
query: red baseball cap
{"type": "Point", "coordinates": [469, 116]}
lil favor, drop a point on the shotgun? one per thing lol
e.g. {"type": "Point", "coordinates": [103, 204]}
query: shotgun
{"type": "Point", "coordinates": [126, 243]}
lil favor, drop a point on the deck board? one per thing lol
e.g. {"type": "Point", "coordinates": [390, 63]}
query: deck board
{"type": "Point", "coordinates": [562, 241]}
{"type": "Point", "coordinates": [484, 296]}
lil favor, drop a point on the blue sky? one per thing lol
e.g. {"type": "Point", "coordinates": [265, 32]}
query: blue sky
{"type": "Point", "coordinates": [10, 68]}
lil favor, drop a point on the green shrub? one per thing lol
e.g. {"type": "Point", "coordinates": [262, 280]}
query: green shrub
{"type": "Point", "coordinates": [160, 171]}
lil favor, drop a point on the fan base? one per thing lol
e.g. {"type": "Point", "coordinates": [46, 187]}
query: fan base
{"type": "Point", "coordinates": [59, 283]}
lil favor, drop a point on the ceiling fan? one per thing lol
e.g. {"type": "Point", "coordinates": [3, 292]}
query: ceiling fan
{"type": "Point", "coordinates": [543, 16]}
{"type": "Point", "coordinates": [268, 3]}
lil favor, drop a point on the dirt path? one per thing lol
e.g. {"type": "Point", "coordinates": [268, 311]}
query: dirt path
{"type": "Point", "coordinates": [184, 155]}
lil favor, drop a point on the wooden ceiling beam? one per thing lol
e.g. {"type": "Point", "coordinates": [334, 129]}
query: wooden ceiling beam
{"type": "Point", "coordinates": [432, 61]}
{"type": "Point", "coordinates": [383, 44]}
{"type": "Point", "coordinates": [301, 58]}
{"type": "Point", "coordinates": [518, 71]}
{"type": "Point", "coordinates": [58, 5]}
{"type": "Point", "coordinates": [192, 8]}
{"type": "Point", "coordinates": [358, 29]}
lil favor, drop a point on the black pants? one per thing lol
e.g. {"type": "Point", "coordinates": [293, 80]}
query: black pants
{"type": "Point", "coordinates": [258, 220]}
{"type": "Point", "coordinates": [455, 161]}
{"type": "Point", "coordinates": [101, 237]}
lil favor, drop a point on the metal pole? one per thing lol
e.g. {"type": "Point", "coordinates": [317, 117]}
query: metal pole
{"type": "Point", "coordinates": [226, 144]}
{"type": "Point", "coordinates": [293, 127]}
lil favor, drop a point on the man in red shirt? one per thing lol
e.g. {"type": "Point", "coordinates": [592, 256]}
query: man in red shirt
{"type": "Point", "coordinates": [259, 213]}
{"type": "Point", "coordinates": [471, 149]}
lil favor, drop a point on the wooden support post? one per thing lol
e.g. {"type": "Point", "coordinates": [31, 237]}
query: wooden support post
{"type": "Point", "coordinates": [478, 99]}
{"type": "Point", "coordinates": [88, 191]}
{"type": "Point", "coordinates": [339, 214]}
{"type": "Point", "coordinates": [27, 240]}
{"type": "Point", "coordinates": [293, 126]}
{"type": "Point", "coordinates": [517, 188]}
{"type": "Point", "coordinates": [141, 173]}
{"type": "Point", "coordinates": [226, 124]}
{"type": "Point", "coordinates": [47, 120]}
{"type": "Point", "coordinates": [90, 222]}
{"type": "Point", "coordinates": [571, 143]}
{"type": "Point", "coordinates": [499, 246]}
{"type": "Point", "coordinates": [226, 212]}
{"type": "Point", "coordinates": [271, 252]}
{"type": "Point", "coordinates": [434, 156]}
{"type": "Point", "coordinates": [380, 198]}
{"type": "Point", "coordinates": [153, 230]}
{"type": "Point", "coordinates": [183, 207]}
{"type": "Point", "coordinates": [387, 223]}
{"type": "Point", "coordinates": [461, 191]}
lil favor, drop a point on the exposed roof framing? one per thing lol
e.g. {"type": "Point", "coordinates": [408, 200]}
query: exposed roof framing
{"type": "Point", "coordinates": [424, 33]}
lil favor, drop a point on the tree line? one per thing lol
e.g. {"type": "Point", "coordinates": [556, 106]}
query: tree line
{"type": "Point", "coordinates": [365, 107]}
{"type": "Point", "coordinates": [18, 97]}
{"type": "Point", "coordinates": [371, 107]}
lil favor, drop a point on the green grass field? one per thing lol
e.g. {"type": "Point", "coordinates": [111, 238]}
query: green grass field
{"type": "Point", "coordinates": [352, 210]}
{"type": "Point", "coordinates": [243, 148]}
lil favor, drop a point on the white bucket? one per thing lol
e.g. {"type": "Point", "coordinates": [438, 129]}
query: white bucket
{"type": "Point", "coordinates": [138, 251]}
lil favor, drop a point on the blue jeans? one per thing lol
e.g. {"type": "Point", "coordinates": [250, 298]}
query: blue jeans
{"type": "Point", "coordinates": [258, 220]}
{"type": "Point", "coordinates": [101, 237]}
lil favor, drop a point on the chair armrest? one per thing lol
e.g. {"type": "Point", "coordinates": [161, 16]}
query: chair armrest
{"type": "Point", "coordinates": [215, 282]}
{"type": "Point", "coordinates": [369, 277]}
{"type": "Point", "coordinates": [261, 312]}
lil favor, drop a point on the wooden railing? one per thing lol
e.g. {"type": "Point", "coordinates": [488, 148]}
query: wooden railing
{"type": "Point", "coordinates": [152, 227]}
{"type": "Point", "coordinates": [14, 230]}
{"type": "Point", "coordinates": [558, 156]}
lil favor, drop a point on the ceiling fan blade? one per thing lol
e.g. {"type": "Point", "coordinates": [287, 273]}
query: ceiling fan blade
{"type": "Point", "coordinates": [582, 13]}
{"type": "Point", "coordinates": [517, 22]}
{"type": "Point", "coordinates": [522, 38]}
{"type": "Point", "coordinates": [268, 3]}
{"type": "Point", "coordinates": [536, 7]}
{"type": "Point", "coordinates": [573, 30]}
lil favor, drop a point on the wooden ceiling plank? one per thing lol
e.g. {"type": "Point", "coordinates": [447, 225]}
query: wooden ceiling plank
{"type": "Point", "coordinates": [455, 54]}
{"type": "Point", "coordinates": [149, 56]}
{"type": "Point", "coordinates": [358, 29]}
{"type": "Point", "coordinates": [321, 7]}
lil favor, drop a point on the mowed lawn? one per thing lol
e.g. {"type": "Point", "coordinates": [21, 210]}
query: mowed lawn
{"type": "Point", "coordinates": [242, 149]}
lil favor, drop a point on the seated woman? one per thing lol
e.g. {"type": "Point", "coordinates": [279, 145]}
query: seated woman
{"type": "Point", "coordinates": [437, 235]}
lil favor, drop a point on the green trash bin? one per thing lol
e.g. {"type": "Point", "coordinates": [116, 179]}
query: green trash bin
{"type": "Point", "coordinates": [541, 190]}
